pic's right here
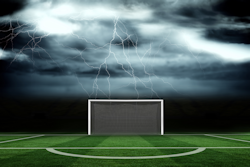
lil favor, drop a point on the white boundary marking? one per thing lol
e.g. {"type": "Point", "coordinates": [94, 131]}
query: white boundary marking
{"type": "Point", "coordinates": [162, 117]}
{"type": "Point", "coordinates": [20, 139]}
{"type": "Point", "coordinates": [227, 138]}
{"type": "Point", "coordinates": [52, 149]}
{"type": "Point", "coordinates": [206, 134]}
{"type": "Point", "coordinates": [227, 134]}
{"type": "Point", "coordinates": [140, 157]}
{"type": "Point", "coordinates": [120, 148]}
{"type": "Point", "coordinates": [44, 134]}
{"type": "Point", "coordinates": [116, 100]}
{"type": "Point", "coordinates": [89, 117]}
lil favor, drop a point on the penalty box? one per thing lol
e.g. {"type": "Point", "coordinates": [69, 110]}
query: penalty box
{"type": "Point", "coordinates": [125, 117]}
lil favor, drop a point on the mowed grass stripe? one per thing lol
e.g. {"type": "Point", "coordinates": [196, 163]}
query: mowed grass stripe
{"type": "Point", "coordinates": [210, 157]}
{"type": "Point", "coordinates": [213, 157]}
{"type": "Point", "coordinates": [30, 158]}
{"type": "Point", "coordinates": [45, 158]}
{"type": "Point", "coordinates": [217, 157]}
{"type": "Point", "coordinates": [237, 153]}
{"type": "Point", "coordinates": [138, 141]}
{"type": "Point", "coordinates": [130, 141]}
{"type": "Point", "coordinates": [41, 142]}
{"type": "Point", "coordinates": [7, 154]}
{"type": "Point", "coordinates": [167, 141]}
{"type": "Point", "coordinates": [126, 141]}
{"type": "Point", "coordinates": [87, 141]}
{"type": "Point", "coordinates": [207, 141]}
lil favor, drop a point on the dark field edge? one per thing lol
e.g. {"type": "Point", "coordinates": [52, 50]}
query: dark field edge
{"type": "Point", "coordinates": [69, 116]}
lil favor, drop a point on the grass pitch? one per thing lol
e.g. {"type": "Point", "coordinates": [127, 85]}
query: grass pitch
{"type": "Point", "coordinates": [219, 151]}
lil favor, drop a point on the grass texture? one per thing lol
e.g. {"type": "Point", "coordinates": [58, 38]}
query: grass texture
{"type": "Point", "coordinates": [210, 157]}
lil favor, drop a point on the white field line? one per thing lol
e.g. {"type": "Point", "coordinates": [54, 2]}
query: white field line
{"type": "Point", "coordinates": [205, 134]}
{"type": "Point", "coordinates": [44, 134]}
{"type": "Point", "coordinates": [227, 138]}
{"type": "Point", "coordinates": [198, 150]}
{"type": "Point", "coordinates": [133, 135]}
{"type": "Point", "coordinates": [20, 139]}
{"type": "Point", "coordinates": [120, 148]}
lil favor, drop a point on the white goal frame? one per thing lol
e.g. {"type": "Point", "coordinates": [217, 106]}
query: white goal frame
{"type": "Point", "coordinates": [118, 100]}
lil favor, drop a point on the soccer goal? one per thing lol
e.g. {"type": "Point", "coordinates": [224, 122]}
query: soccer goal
{"type": "Point", "coordinates": [125, 117]}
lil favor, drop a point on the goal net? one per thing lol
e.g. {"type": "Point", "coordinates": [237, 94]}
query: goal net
{"type": "Point", "coordinates": [117, 117]}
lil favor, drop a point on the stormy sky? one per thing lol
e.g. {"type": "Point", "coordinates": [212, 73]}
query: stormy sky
{"type": "Point", "coordinates": [125, 49]}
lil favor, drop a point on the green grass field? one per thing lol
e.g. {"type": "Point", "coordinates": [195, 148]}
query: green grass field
{"type": "Point", "coordinates": [220, 150]}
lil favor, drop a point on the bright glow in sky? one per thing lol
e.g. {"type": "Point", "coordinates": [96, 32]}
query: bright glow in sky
{"type": "Point", "coordinates": [169, 45]}
{"type": "Point", "coordinates": [1, 54]}
{"type": "Point", "coordinates": [152, 29]}
{"type": "Point", "coordinates": [104, 12]}
{"type": "Point", "coordinates": [229, 52]}
{"type": "Point", "coordinates": [56, 26]}
{"type": "Point", "coordinates": [4, 55]}
{"type": "Point", "coordinates": [63, 10]}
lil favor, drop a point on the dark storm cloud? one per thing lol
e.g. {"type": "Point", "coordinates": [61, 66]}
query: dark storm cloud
{"type": "Point", "coordinates": [242, 20]}
{"type": "Point", "coordinates": [233, 72]}
{"type": "Point", "coordinates": [129, 34]}
{"type": "Point", "coordinates": [7, 36]}
{"type": "Point", "coordinates": [204, 71]}
{"type": "Point", "coordinates": [114, 72]}
{"type": "Point", "coordinates": [42, 67]}
{"type": "Point", "coordinates": [187, 14]}
{"type": "Point", "coordinates": [25, 67]}
{"type": "Point", "coordinates": [77, 44]}
{"type": "Point", "coordinates": [205, 14]}
{"type": "Point", "coordinates": [242, 86]}
{"type": "Point", "coordinates": [54, 69]}
{"type": "Point", "coordinates": [220, 21]}
{"type": "Point", "coordinates": [197, 15]}
{"type": "Point", "coordinates": [125, 43]}
{"type": "Point", "coordinates": [203, 9]}
{"type": "Point", "coordinates": [14, 35]}
{"type": "Point", "coordinates": [19, 67]}
{"type": "Point", "coordinates": [8, 7]}
{"type": "Point", "coordinates": [229, 35]}
{"type": "Point", "coordinates": [209, 71]}
{"type": "Point", "coordinates": [239, 8]}
{"type": "Point", "coordinates": [4, 82]}
{"type": "Point", "coordinates": [33, 85]}
{"type": "Point", "coordinates": [3, 66]}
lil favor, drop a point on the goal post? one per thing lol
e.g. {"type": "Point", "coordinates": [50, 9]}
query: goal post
{"type": "Point", "coordinates": [116, 116]}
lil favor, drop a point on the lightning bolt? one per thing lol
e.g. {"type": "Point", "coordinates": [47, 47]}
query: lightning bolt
{"type": "Point", "coordinates": [33, 45]}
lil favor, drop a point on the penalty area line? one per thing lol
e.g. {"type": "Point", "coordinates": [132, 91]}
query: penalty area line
{"type": "Point", "coordinates": [227, 138]}
{"type": "Point", "coordinates": [21, 139]}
